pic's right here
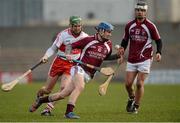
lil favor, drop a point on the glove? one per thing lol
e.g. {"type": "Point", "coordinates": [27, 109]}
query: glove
{"type": "Point", "coordinates": [44, 59]}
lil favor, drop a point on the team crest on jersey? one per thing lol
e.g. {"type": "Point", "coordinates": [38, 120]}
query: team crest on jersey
{"type": "Point", "coordinates": [100, 49]}
{"type": "Point", "coordinates": [137, 32]}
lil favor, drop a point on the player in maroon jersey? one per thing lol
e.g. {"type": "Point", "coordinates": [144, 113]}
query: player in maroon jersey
{"type": "Point", "coordinates": [95, 49]}
{"type": "Point", "coordinates": [139, 33]}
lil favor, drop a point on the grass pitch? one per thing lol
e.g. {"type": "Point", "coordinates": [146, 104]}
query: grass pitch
{"type": "Point", "coordinates": [160, 103]}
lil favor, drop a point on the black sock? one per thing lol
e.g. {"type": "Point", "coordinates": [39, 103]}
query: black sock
{"type": "Point", "coordinates": [44, 99]}
{"type": "Point", "coordinates": [132, 97]}
{"type": "Point", "coordinates": [136, 105]}
{"type": "Point", "coordinates": [69, 108]}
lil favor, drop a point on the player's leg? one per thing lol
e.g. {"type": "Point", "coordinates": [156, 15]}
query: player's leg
{"type": "Point", "coordinates": [50, 83]}
{"type": "Point", "coordinates": [52, 78]}
{"type": "Point", "coordinates": [54, 97]}
{"type": "Point", "coordinates": [139, 90]}
{"type": "Point", "coordinates": [79, 84]}
{"type": "Point", "coordinates": [65, 79]}
{"type": "Point", "coordinates": [130, 77]}
{"type": "Point", "coordinates": [144, 69]}
{"type": "Point", "coordinates": [131, 72]}
{"type": "Point", "coordinates": [59, 67]}
{"type": "Point", "coordinates": [79, 79]}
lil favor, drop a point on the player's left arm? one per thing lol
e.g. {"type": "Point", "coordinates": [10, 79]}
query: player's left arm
{"type": "Point", "coordinates": [156, 36]}
{"type": "Point", "coordinates": [115, 56]}
{"type": "Point", "coordinates": [111, 56]}
{"type": "Point", "coordinates": [159, 49]}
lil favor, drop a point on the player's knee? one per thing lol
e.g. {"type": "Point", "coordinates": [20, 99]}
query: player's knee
{"type": "Point", "coordinates": [139, 85]}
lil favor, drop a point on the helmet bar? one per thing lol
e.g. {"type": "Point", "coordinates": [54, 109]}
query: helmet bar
{"type": "Point", "coordinates": [141, 7]}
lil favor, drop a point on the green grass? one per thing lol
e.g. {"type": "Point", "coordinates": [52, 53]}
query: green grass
{"type": "Point", "coordinates": [160, 103]}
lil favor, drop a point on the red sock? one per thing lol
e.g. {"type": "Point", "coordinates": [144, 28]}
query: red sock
{"type": "Point", "coordinates": [69, 108]}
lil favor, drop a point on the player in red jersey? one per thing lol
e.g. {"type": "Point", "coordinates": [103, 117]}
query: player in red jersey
{"type": "Point", "coordinates": [139, 33]}
{"type": "Point", "coordinates": [95, 49]}
{"type": "Point", "coordinates": [60, 66]}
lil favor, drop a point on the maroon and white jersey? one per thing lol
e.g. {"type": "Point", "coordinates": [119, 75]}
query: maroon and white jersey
{"type": "Point", "coordinates": [140, 36]}
{"type": "Point", "coordinates": [94, 52]}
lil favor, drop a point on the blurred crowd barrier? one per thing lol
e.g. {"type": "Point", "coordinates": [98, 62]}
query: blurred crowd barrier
{"type": "Point", "coordinates": [163, 76]}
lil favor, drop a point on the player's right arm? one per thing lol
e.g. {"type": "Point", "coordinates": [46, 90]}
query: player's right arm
{"type": "Point", "coordinates": [53, 49]}
{"type": "Point", "coordinates": [125, 41]}
{"type": "Point", "coordinates": [50, 51]}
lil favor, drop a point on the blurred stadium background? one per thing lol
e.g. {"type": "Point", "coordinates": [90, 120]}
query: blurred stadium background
{"type": "Point", "coordinates": [27, 28]}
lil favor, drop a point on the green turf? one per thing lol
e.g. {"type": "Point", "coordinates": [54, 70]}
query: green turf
{"type": "Point", "coordinates": [160, 103]}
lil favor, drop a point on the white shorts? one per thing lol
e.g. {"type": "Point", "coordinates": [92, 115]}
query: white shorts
{"type": "Point", "coordinates": [80, 70]}
{"type": "Point", "coordinates": [143, 67]}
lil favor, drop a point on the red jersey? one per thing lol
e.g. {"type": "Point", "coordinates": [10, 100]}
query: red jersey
{"type": "Point", "coordinates": [140, 36]}
{"type": "Point", "coordinates": [94, 52]}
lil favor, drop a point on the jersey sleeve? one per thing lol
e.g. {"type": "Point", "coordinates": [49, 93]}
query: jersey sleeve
{"type": "Point", "coordinates": [109, 44]}
{"type": "Point", "coordinates": [154, 33]}
{"type": "Point", "coordinates": [51, 50]}
{"type": "Point", "coordinates": [126, 33]}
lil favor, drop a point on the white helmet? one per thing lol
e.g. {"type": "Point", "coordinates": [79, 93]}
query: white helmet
{"type": "Point", "coordinates": [141, 5]}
